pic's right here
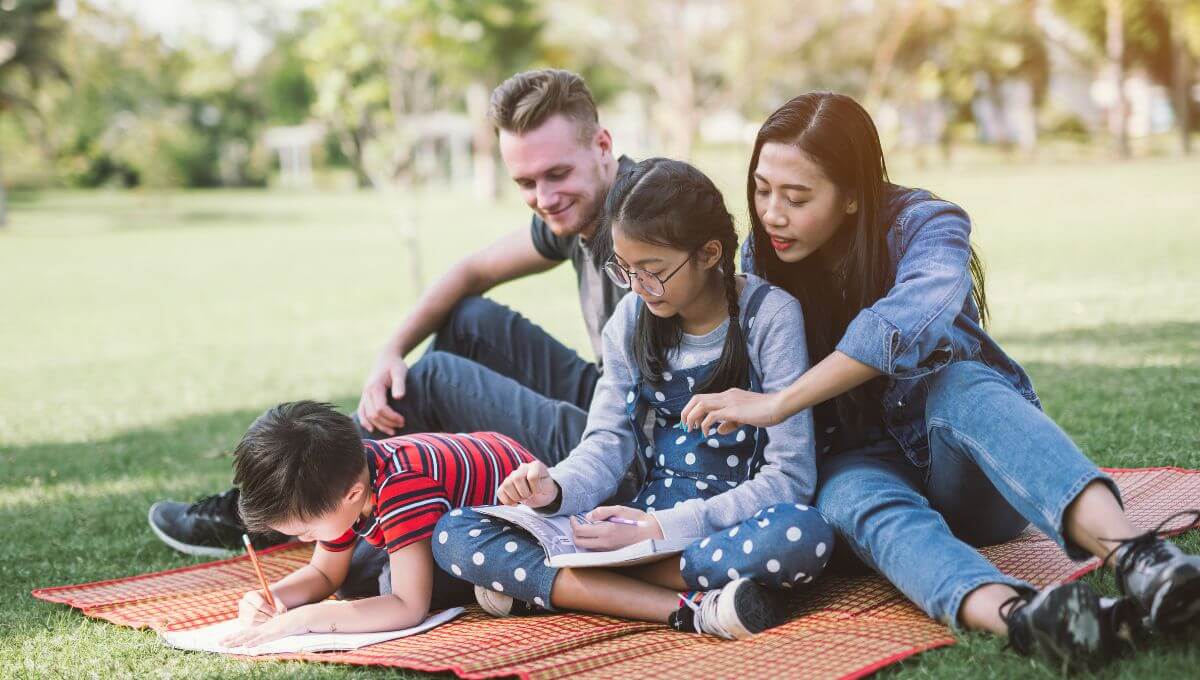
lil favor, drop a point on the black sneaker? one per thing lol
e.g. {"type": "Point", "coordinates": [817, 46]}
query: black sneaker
{"type": "Point", "coordinates": [211, 526]}
{"type": "Point", "coordinates": [1064, 625]}
{"type": "Point", "coordinates": [1160, 579]}
{"type": "Point", "coordinates": [740, 610]}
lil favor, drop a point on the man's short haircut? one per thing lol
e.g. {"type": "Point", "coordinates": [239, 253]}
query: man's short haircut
{"type": "Point", "coordinates": [528, 99]}
{"type": "Point", "coordinates": [296, 462]}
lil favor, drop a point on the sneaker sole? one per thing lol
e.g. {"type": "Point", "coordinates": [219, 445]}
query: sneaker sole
{"type": "Point", "coordinates": [1177, 602]}
{"type": "Point", "coordinates": [186, 548]}
{"type": "Point", "coordinates": [758, 611]}
{"type": "Point", "coordinates": [1084, 627]}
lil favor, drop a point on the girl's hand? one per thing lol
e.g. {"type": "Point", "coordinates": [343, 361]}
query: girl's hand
{"type": "Point", "coordinates": [732, 409]}
{"type": "Point", "coordinates": [530, 484]}
{"type": "Point", "coordinates": [602, 534]}
{"type": "Point", "coordinates": [253, 609]}
{"type": "Point", "coordinates": [278, 627]}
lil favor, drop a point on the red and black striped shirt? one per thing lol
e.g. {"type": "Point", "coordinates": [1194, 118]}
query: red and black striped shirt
{"type": "Point", "coordinates": [418, 478]}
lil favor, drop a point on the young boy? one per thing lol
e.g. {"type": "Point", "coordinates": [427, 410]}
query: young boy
{"type": "Point", "coordinates": [304, 471]}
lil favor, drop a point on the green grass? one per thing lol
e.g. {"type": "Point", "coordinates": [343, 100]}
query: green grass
{"type": "Point", "coordinates": [142, 332]}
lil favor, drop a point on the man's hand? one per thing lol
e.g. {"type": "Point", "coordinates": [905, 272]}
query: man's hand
{"type": "Point", "coordinates": [530, 484]}
{"type": "Point", "coordinates": [599, 532]}
{"type": "Point", "coordinates": [387, 377]}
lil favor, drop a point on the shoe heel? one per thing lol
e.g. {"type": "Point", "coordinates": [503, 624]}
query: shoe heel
{"type": "Point", "coordinates": [1177, 603]}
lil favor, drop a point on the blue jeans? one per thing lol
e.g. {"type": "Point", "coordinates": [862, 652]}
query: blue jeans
{"type": "Point", "coordinates": [489, 369]}
{"type": "Point", "coordinates": [997, 463]}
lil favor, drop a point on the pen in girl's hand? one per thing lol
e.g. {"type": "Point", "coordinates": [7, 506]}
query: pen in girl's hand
{"type": "Point", "coordinates": [628, 522]}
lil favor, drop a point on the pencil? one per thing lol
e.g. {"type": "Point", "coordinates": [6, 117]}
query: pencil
{"type": "Point", "coordinates": [258, 570]}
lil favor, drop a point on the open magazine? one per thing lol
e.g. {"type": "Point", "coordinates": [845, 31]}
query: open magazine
{"type": "Point", "coordinates": [555, 536]}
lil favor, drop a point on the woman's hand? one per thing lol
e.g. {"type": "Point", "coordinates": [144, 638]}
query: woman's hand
{"type": "Point", "coordinates": [731, 409]}
{"type": "Point", "coordinates": [281, 626]}
{"type": "Point", "coordinates": [253, 609]}
{"type": "Point", "coordinates": [530, 484]}
{"type": "Point", "coordinates": [599, 532]}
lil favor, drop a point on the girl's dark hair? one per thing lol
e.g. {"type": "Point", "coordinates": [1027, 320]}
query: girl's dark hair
{"type": "Point", "coordinates": [670, 203]}
{"type": "Point", "coordinates": [837, 134]}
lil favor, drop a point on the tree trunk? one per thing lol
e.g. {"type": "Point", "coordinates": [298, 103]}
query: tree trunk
{"type": "Point", "coordinates": [1115, 50]}
{"type": "Point", "coordinates": [1181, 84]}
{"type": "Point", "coordinates": [3, 203]}
{"type": "Point", "coordinates": [885, 52]}
{"type": "Point", "coordinates": [483, 144]}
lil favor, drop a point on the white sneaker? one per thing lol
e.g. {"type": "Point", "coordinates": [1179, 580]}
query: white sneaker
{"type": "Point", "coordinates": [501, 605]}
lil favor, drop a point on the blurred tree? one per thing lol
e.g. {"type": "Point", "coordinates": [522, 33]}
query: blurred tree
{"type": "Point", "coordinates": [380, 65]}
{"type": "Point", "coordinates": [675, 53]}
{"type": "Point", "coordinates": [28, 33]}
{"type": "Point", "coordinates": [480, 44]}
{"type": "Point", "coordinates": [1162, 37]}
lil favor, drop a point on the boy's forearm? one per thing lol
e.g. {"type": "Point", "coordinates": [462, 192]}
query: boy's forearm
{"type": "Point", "coordinates": [369, 615]}
{"type": "Point", "coordinates": [306, 584]}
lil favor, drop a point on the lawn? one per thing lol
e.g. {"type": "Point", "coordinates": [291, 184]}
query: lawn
{"type": "Point", "coordinates": [142, 333]}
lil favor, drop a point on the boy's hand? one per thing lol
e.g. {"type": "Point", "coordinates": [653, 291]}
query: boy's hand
{"type": "Point", "coordinates": [604, 534]}
{"type": "Point", "coordinates": [278, 627]}
{"type": "Point", "coordinates": [253, 609]}
{"type": "Point", "coordinates": [530, 484]}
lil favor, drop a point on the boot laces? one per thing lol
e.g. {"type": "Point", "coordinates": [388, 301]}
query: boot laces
{"type": "Point", "coordinates": [219, 505]}
{"type": "Point", "coordinates": [1147, 548]}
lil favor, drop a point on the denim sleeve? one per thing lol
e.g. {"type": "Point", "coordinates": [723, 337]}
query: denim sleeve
{"type": "Point", "coordinates": [906, 325]}
{"type": "Point", "coordinates": [789, 472]}
{"type": "Point", "coordinates": [593, 470]}
{"type": "Point", "coordinates": [747, 255]}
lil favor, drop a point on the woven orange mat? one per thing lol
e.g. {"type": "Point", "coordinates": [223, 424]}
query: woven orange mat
{"type": "Point", "coordinates": [843, 627]}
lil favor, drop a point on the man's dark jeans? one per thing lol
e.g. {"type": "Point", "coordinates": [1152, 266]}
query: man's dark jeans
{"type": "Point", "coordinates": [491, 369]}
{"type": "Point", "coordinates": [488, 369]}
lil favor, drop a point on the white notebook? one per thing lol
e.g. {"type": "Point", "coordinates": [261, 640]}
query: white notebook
{"type": "Point", "coordinates": [208, 638]}
{"type": "Point", "coordinates": [556, 537]}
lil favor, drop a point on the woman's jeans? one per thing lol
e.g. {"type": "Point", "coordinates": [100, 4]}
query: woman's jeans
{"type": "Point", "coordinates": [997, 463]}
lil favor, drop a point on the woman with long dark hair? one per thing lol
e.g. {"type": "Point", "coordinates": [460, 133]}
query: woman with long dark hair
{"type": "Point", "coordinates": [932, 438]}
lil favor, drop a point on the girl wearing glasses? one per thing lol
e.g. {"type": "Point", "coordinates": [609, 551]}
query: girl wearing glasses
{"type": "Point", "coordinates": [690, 327]}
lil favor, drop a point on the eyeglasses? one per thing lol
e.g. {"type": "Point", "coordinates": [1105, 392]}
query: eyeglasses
{"type": "Point", "coordinates": [653, 284]}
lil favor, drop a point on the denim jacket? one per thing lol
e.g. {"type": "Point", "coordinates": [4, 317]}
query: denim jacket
{"type": "Point", "coordinates": [926, 320]}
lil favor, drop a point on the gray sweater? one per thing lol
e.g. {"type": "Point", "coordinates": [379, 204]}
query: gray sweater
{"type": "Point", "coordinates": [780, 355]}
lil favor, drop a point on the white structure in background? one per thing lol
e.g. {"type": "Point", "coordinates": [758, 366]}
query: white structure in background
{"type": "Point", "coordinates": [1149, 104]}
{"type": "Point", "coordinates": [294, 144]}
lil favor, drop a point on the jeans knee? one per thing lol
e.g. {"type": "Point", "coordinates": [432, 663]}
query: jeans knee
{"type": "Point", "coordinates": [956, 387]}
{"type": "Point", "coordinates": [471, 315]}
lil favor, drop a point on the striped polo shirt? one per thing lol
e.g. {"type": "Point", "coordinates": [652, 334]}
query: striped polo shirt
{"type": "Point", "coordinates": [418, 478]}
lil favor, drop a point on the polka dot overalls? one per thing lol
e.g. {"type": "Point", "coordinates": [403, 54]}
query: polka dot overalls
{"type": "Point", "coordinates": [780, 546]}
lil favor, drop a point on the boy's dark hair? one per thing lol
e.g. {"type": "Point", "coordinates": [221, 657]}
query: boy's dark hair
{"type": "Point", "coordinates": [528, 99]}
{"type": "Point", "coordinates": [296, 462]}
{"type": "Point", "coordinates": [671, 203]}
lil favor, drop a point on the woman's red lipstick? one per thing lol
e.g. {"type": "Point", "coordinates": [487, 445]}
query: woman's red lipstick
{"type": "Point", "coordinates": [781, 243]}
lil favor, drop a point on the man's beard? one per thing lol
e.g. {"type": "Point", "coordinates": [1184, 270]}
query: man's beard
{"type": "Point", "coordinates": [594, 211]}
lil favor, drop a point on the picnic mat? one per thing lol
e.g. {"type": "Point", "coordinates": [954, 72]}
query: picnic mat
{"type": "Point", "coordinates": [842, 627]}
